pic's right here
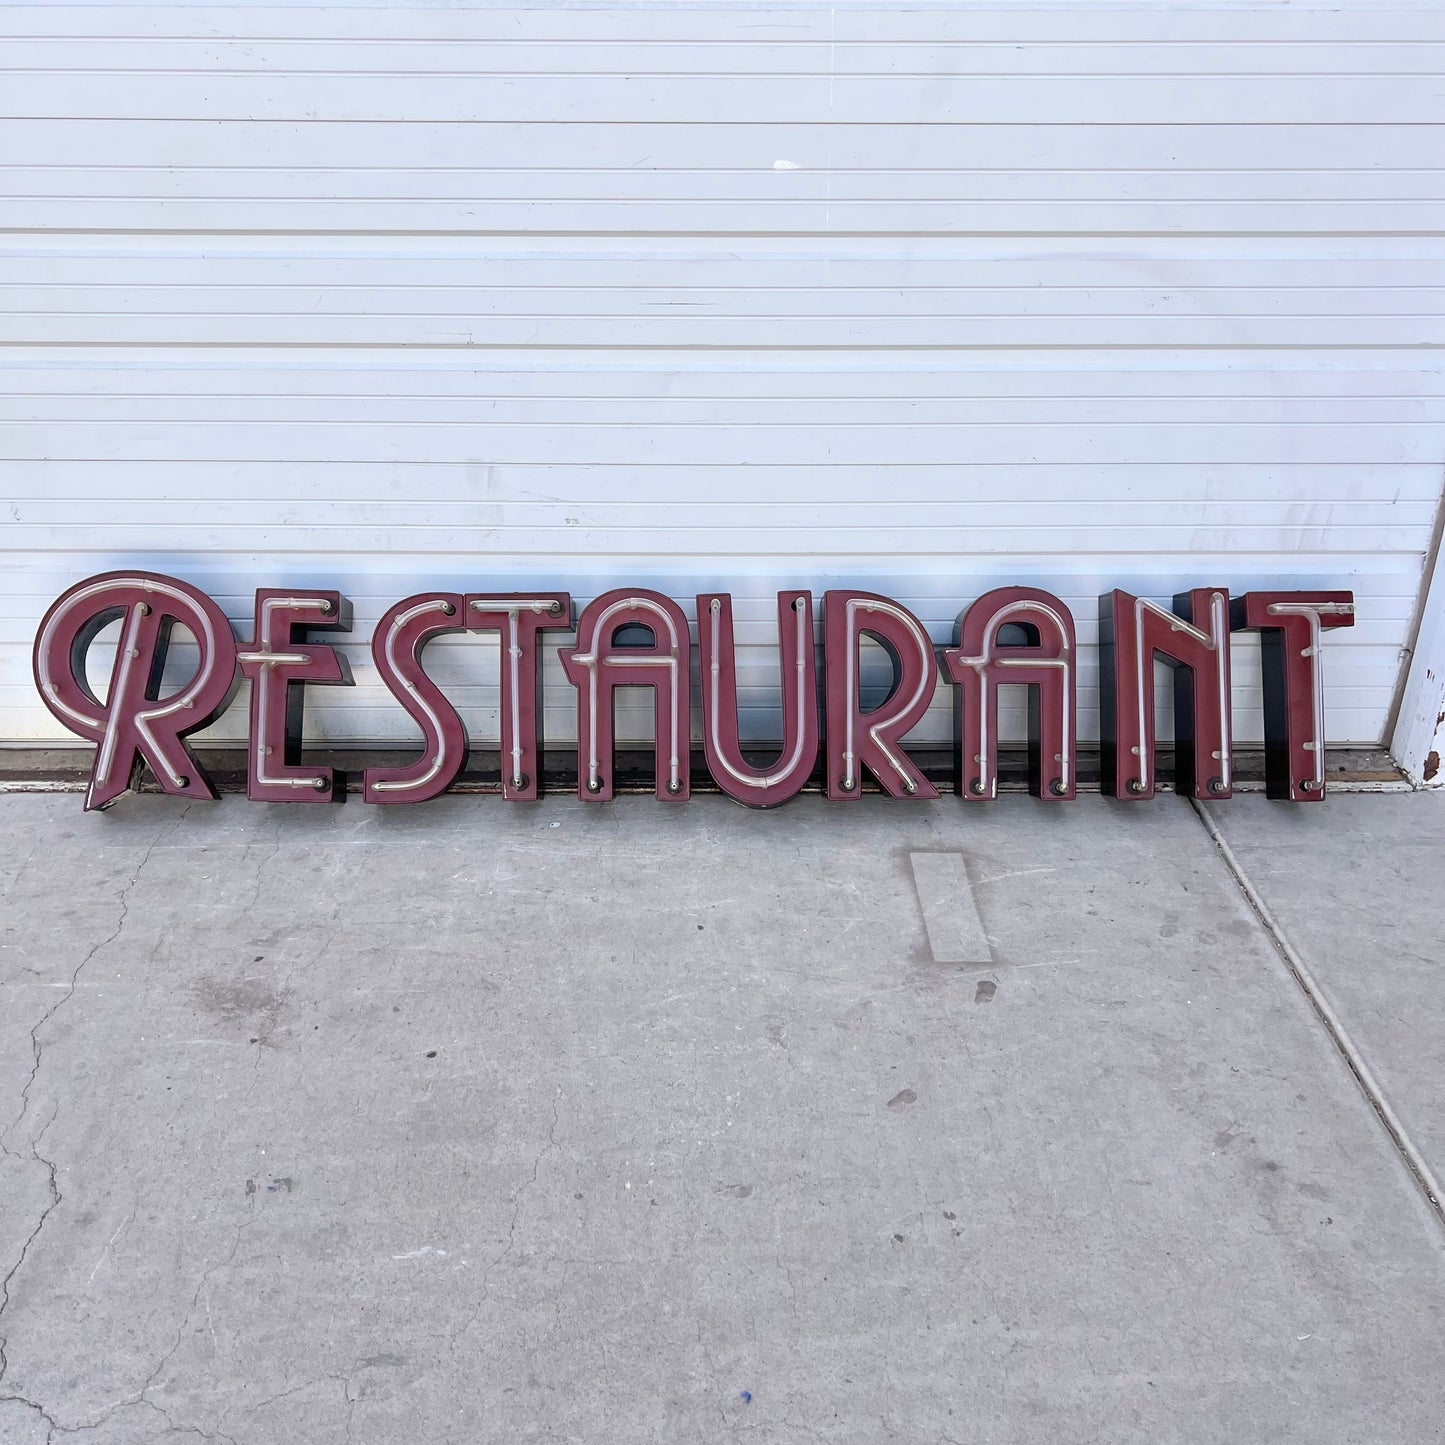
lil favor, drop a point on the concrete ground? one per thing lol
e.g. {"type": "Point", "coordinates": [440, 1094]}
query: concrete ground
{"type": "Point", "coordinates": [633, 1123]}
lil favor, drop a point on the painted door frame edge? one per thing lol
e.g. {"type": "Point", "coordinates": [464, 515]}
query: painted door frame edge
{"type": "Point", "coordinates": [1418, 736]}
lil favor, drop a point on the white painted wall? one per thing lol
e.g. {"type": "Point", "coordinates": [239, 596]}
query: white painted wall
{"type": "Point", "coordinates": [927, 300]}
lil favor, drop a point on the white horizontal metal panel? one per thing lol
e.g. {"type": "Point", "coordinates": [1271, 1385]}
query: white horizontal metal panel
{"type": "Point", "coordinates": [1360, 22]}
{"type": "Point", "coordinates": [925, 300]}
{"type": "Point", "coordinates": [508, 56]}
{"type": "Point", "coordinates": [629, 97]}
{"type": "Point", "coordinates": [811, 216]}
{"type": "Point", "coordinates": [785, 444]}
{"type": "Point", "coordinates": [571, 300]}
{"type": "Point", "coordinates": [418, 155]}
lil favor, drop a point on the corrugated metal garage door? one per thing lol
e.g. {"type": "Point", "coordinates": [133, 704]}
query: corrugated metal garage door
{"type": "Point", "coordinates": [926, 300]}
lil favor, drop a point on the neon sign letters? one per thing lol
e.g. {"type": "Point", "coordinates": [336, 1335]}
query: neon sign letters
{"type": "Point", "coordinates": [135, 728]}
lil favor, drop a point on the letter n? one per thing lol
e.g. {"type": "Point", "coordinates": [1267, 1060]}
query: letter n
{"type": "Point", "coordinates": [1194, 640]}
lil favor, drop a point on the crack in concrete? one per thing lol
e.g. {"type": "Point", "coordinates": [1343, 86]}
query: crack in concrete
{"type": "Point", "coordinates": [55, 1198]}
{"type": "Point", "coordinates": [20, 872]}
{"type": "Point", "coordinates": [261, 869]}
{"type": "Point", "coordinates": [53, 1427]}
{"type": "Point", "coordinates": [51, 1424]}
{"type": "Point", "coordinates": [143, 1398]}
{"type": "Point", "coordinates": [710, 1362]}
{"type": "Point", "coordinates": [350, 1403]}
{"type": "Point", "coordinates": [507, 1248]}
{"type": "Point", "coordinates": [792, 1290]}
{"type": "Point", "coordinates": [171, 1422]}
{"type": "Point", "coordinates": [344, 1380]}
{"type": "Point", "coordinates": [282, 1395]}
{"type": "Point", "coordinates": [37, 1050]}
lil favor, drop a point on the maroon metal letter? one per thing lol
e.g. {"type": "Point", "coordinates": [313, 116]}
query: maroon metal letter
{"type": "Point", "coordinates": [873, 740]}
{"type": "Point", "coordinates": [759, 787]}
{"type": "Point", "coordinates": [519, 617]}
{"type": "Point", "coordinates": [134, 724]}
{"type": "Point", "coordinates": [278, 667]}
{"type": "Point", "coordinates": [1194, 641]}
{"type": "Point", "coordinates": [1045, 663]}
{"type": "Point", "coordinates": [1289, 624]}
{"type": "Point", "coordinates": [396, 646]}
{"type": "Point", "coordinates": [597, 666]}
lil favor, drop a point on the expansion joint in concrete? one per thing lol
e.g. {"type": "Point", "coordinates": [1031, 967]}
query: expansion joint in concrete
{"type": "Point", "coordinates": [1364, 1076]}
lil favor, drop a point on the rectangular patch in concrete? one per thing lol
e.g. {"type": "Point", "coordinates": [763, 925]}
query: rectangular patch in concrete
{"type": "Point", "coordinates": [950, 914]}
